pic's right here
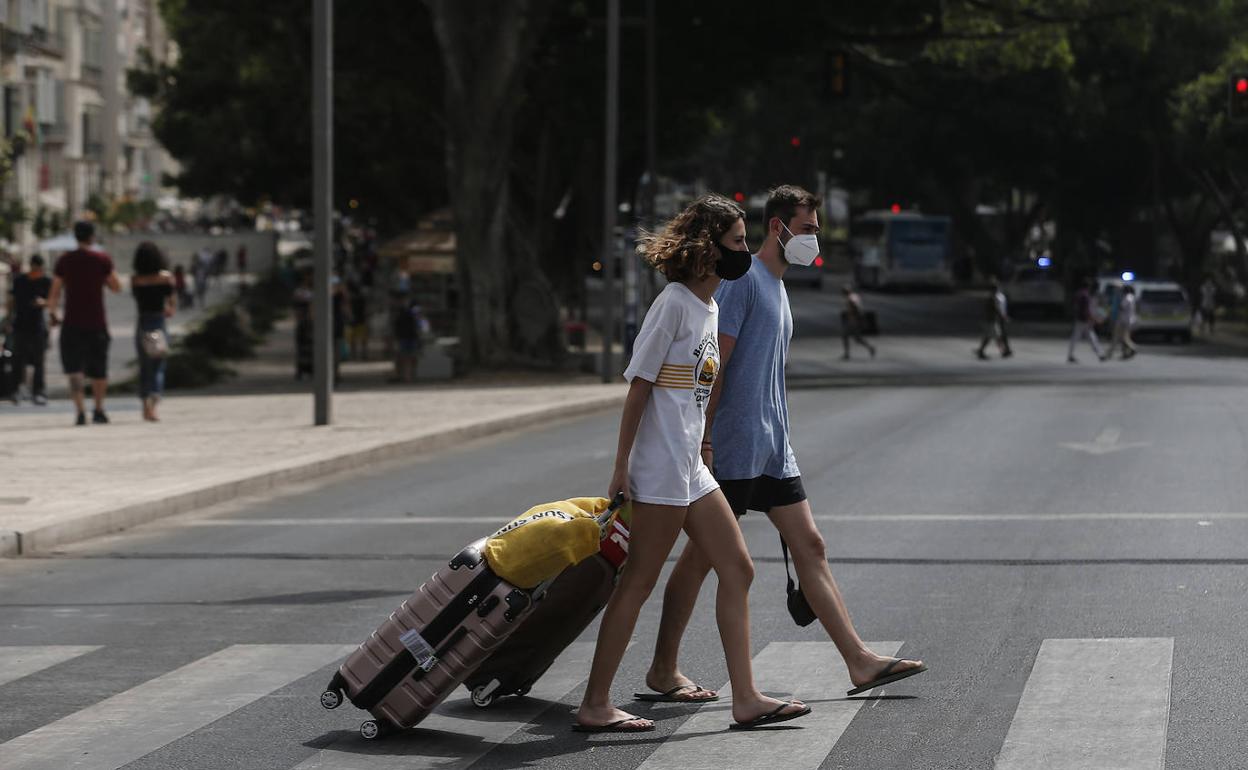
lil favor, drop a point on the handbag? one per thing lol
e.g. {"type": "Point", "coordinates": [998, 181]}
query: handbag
{"type": "Point", "coordinates": [799, 608]}
{"type": "Point", "coordinates": [155, 343]}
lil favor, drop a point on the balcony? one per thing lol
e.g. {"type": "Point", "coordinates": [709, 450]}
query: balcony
{"type": "Point", "coordinates": [93, 151]}
{"type": "Point", "coordinates": [45, 42]}
{"type": "Point", "coordinates": [91, 74]}
{"type": "Point", "coordinates": [57, 133]}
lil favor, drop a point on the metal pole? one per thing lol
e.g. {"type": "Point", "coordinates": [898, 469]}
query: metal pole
{"type": "Point", "coordinates": [608, 203]}
{"type": "Point", "coordinates": [322, 203]}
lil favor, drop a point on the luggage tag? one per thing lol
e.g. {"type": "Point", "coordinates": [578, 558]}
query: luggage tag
{"type": "Point", "coordinates": [419, 648]}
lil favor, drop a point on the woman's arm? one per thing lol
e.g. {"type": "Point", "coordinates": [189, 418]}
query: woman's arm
{"type": "Point", "coordinates": [634, 407]}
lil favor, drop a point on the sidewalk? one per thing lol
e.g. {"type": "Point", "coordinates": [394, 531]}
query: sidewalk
{"type": "Point", "coordinates": [63, 483]}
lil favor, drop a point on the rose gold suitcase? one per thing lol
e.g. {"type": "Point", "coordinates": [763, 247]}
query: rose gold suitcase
{"type": "Point", "coordinates": [435, 639]}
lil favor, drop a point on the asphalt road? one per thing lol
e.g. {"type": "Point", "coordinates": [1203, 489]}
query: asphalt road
{"type": "Point", "coordinates": [1068, 558]}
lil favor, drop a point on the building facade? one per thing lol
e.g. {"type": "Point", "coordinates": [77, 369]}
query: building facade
{"type": "Point", "coordinates": [63, 66]}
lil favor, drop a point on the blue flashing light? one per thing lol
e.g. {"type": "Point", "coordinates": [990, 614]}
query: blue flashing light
{"type": "Point", "coordinates": [1044, 262]}
{"type": "Point", "coordinates": [1128, 276]}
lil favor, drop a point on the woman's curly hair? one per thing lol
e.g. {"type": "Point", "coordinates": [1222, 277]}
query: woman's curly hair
{"type": "Point", "coordinates": [684, 248]}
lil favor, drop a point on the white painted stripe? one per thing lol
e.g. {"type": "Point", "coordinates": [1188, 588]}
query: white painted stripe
{"type": "Point", "coordinates": [1093, 703]}
{"type": "Point", "coordinates": [447, 751]}
{"type": "Point", "coordinates": [866, 518]}
{"type": "Point", "coordinates": [17, 662]}
{"type": "Point", "coordinates": [812, 672]}
{"type": "Point", "coordinates": [140, 720]}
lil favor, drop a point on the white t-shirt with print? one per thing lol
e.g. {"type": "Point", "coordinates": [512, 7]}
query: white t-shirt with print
{"type": "Point", "coordinates": [678, 350]}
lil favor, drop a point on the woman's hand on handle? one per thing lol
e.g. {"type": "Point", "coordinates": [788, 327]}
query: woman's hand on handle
{"type": "Point", "coordinates": [619, 483]}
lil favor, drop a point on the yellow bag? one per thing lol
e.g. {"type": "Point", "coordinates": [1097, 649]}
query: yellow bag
{"type": "Point", "coordinates": [545, 540]}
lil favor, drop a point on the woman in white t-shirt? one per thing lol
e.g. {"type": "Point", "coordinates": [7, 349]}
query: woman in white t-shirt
{"type": "Point", "coordinates": [659, 465]}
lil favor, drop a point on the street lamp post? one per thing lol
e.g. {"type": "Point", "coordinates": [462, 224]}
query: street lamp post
{"type": "Point", "coordinates": [609, 214]}
{"type": "Point", "coordinates": [322, 203]}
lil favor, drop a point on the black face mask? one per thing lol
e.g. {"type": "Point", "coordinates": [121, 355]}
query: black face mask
{"type": "Point", "coordinates": [732, 264]}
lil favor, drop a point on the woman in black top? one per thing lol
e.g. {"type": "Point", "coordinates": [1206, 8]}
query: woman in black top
{"type": "Point", "coordinates": [153, 289]}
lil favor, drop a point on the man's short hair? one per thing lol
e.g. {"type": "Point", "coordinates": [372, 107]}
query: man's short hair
{"type": "Point", "coordinates": [36, 260]}
{"type": "Point", "coordinates": [84, 231]}
{"type": "Point", "coordinates": [785, 200]}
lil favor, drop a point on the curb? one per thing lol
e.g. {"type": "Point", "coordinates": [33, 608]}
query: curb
{"type": "Point", "coordinates": [43, 539]}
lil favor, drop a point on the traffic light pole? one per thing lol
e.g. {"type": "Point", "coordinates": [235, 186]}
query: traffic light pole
{"type": "Point", "coordinates": [322, 204]}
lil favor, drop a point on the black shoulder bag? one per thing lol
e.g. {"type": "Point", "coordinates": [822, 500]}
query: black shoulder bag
{"type": "Point", "coordinates": [799, 608]}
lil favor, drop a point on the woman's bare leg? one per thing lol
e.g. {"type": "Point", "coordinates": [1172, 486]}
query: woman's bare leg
{"type": "Point", "coordinates": [712, 526]}
{"type": "Point", "coordinates": [651, 537]}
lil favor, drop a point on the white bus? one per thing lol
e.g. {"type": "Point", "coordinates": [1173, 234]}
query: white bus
{"type": "Point", "coordinates": [901, 249]}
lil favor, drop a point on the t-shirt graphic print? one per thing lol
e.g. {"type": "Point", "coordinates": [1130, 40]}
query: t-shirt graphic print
{"type": "Point", "coordinates": [677, 349]}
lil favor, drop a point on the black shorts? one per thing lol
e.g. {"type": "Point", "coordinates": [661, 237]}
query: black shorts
{"type": "Point", "coordinates": [84, 351]}
{"type": "Point", "coordinates": [762, 493]}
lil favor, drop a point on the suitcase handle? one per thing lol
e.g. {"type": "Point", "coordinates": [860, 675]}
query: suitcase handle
{"type": "Point", "coordinates": [604, 520]}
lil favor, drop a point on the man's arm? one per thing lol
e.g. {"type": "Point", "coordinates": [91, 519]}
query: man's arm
{"type": "Point", "coordinates": [113, 282]}
{"type": "Point", "coordinates": [54, 299]}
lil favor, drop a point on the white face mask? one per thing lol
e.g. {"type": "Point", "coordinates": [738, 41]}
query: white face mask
{"type": "Point", "coordinates": [801, 249]}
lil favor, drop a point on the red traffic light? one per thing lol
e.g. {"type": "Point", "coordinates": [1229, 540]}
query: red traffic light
{"type": "Point", "coordinates": [895, 208]}
{"type": "Point", "coordinates": [739, 197]}
{"type": "Point", "coordinates": [1241, 85]}
{"type": "Point", "coordinates": [796, 141]}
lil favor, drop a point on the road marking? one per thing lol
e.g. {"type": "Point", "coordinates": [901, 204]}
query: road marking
{"type": "Point", "coordinates": [812, 672]}
{"type": "Point", "coordinates": [1093, 703]}
{"type": "Point", "coordinates": [120, 729]}
{"type": "Point", "coordinates": [439, 741]}
{"type": "Point", "coordinates": [17, 662]}
{"type": "Point", "coordinates": [1106, 442]}
{"type": "Point", "coordinates": [864, 517]}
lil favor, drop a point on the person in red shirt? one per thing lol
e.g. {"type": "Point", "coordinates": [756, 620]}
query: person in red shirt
{"type": "Point", "coordinates": [81, 275]}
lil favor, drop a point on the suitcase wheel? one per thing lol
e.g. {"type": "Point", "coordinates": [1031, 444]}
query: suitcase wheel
{"type": "Point", "coordinates": [481, 698]}
{"type": "Point", "coordinates": [373, 729]}
{"type": "Point", "coordinates": [331, 699]}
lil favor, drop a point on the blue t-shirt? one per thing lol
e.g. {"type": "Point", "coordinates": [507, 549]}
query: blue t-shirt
{"type": "Point", "coordinates": [751, 425]}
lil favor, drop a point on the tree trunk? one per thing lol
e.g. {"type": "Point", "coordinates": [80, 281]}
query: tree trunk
{"type": "Point", "coordinates": [485, 47]}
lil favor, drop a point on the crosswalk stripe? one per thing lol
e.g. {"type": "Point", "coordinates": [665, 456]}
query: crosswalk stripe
{"type": "Point", "coordinates": [17, 662]}
{"type": "Point", "coordinates": [446, 753]}
{"type": "Point", "coordinates": [128, 725]}
{"type": "Point", "coordinates": [812, 672]}
{"type": "Point", "coordinates": [1093, 703]}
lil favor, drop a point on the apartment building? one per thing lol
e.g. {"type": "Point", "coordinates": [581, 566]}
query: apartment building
{"type": "Point", "coordinates": [63, 66]}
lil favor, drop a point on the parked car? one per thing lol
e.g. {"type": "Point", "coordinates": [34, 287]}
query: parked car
{"type": "Point", "coordinates": [1035, 289]}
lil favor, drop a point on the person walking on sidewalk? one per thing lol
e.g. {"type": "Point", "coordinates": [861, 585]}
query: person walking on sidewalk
{"type": "Point", "coordinates": [29, 326]}
{"type": "Point", "coordinates": [995, 319]}
{"type": "Point", "coordinates": [82, 275]}
{"type": "Point", "coordinates": [852, 319]}
{"type": "Point", "coordinates": [1123, 323]}
{"type": "Point", "coordinates": [674, 366]}
{"type": "Point", "coordinates": [1208, 304]}
{"type": "Point", "coordinates": [154, 294]}
{"type": "Point", "coordinates": [746, 441]}
{"type": "Point", "coordinates": [1085, 324]}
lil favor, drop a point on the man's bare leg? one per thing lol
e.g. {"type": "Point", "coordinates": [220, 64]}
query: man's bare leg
{"type": "Point", "coordinates": [75, 392]}
{"type": "Point", "coordinates": [99, 388]}
{"type": "Point", "coordinates": [796, 525]}
{"type": "Point", "coordinates": [679, 598]}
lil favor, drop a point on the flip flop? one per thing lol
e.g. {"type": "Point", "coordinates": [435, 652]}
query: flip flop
{"type": "Point", "coordinates": [671, 695]}
{"type": "Point", "coordinates": [612, 727]}
{"type": "Point", "coordinates": [884, 677]}
{"type": "Point", "coordinates": [771, 718]}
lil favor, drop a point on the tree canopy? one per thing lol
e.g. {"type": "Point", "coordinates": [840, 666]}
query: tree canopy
{"type": "Point", "coordinates": [1106, 117]}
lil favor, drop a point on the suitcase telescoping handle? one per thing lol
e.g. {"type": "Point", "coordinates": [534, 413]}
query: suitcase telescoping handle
{"type": "Point", "coordinates": [604, 521]}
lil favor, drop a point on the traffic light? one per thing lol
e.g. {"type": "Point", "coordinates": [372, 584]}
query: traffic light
{"type": "Point", "coordinates": [836, 74]}
{"type": "Point", "coordinates": [1237, 104]}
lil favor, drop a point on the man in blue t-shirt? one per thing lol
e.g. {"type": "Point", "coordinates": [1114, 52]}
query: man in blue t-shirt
{"type": "Point", "coordinates": [747, 445]}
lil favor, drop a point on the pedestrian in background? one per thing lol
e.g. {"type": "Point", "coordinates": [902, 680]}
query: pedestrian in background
{"type": "Point", "coordinates": [1085, 323]}
{"type": "Point", "coordinates": [410, 326]}
{"type": "Point", "coordinates": [1123, 323]}
{"type": "Point", "coordinates": [658, 463]}
{"type": "Point", "coordinates": [1208, 304]}
{"type": "Point", "coordinates": [852, 318]}
{"type": "Point", "coordinates": [357, 330]}
{"type": "Point", "coordinates": [81, 276]}
{"type": "Point", "coordinates": [154, 290]}
{"type": "Point", "coordinates": [240, 258]}
{"type": "Point", "coordinates": [201, 270]}
{"type": "Point", "coordinates": [302, 302]}
{"type": "Point", "coordinates": [27, 322]}
{"type": "Point", "coordinates": [179, 285]}
{"type": "Point", "coordinates": [995, 318]}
